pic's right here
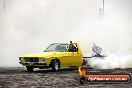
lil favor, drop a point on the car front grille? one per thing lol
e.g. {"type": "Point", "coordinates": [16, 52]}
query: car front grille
{"type": "Point", "coordinates": [33, 59]}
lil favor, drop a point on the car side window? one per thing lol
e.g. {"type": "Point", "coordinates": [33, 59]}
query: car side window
{"type": "Point", "coordinates": [61, 47]}
{"type": "Point", "coordinates": [72, 48]}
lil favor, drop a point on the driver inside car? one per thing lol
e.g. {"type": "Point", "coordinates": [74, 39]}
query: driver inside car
{"type": "Point", "coordinates": [72, 47]}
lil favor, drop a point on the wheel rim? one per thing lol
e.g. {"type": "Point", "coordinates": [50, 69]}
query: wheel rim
{"type": "Point", "coordinates": [56, 65]}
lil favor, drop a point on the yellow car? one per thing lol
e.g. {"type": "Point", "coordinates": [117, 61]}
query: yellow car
{"type": "Point", "coordinates": [55, 56]}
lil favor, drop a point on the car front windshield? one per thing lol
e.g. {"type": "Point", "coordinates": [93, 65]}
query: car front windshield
{"type": "Point", "coordinates": [57, 47]}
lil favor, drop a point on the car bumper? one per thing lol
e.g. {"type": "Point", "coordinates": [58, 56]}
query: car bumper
{"type": "Point", "coordinates": [33, 63]}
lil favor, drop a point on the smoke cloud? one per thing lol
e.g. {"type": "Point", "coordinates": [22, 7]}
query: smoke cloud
{"type": "Point", "coordinates": [28, 26]}
{"type": "Point", "coordinates": [111, 62]}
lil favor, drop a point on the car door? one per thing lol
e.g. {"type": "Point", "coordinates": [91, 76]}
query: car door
{"type": "Point", "coordinates": [74, 58]}
{"type": "Point", "coordinates": [70, 58]}
{"type": "Point", "coordinates": [65, 59]}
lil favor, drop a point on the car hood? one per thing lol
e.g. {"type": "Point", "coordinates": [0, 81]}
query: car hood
{"type": "Point", "coordinates": [42, 54]}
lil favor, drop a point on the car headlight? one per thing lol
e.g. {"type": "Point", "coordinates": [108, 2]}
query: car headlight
{"type": "Point", "coordinates": [20, 58]}
{"type": "Point", "coordinates": [43, 59]}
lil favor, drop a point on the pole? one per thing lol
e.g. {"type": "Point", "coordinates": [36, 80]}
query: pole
{"type": "Point", "coordinates": [4, 4]}
{"type": "Point", "coordinates": [103, 6]}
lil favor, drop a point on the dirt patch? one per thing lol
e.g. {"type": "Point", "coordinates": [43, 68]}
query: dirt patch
{"type": "Point", "coordinates": [18, 77]}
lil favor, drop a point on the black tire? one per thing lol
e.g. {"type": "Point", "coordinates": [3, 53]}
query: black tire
{"type": "Point", "coordinates": [55, 65]}
{"type": "Point", "coordinates": [30, 69]}
{"type": "Point", "coordinates": [82, 80]}
{"type": "Point", "coordinates": [84, 62]}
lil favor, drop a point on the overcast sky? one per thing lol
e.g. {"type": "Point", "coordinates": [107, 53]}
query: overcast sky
{"type": "Point", "coordinates": [28, 26]}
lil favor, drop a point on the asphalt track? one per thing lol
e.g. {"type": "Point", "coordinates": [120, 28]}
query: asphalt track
{"type": "Point", "coordinates": [18, 77]}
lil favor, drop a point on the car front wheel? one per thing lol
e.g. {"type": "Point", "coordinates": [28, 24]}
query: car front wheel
{"type": "Point", "coordinates": [30, 69]}
{"type": "Point", "coordinates": [55, 65]}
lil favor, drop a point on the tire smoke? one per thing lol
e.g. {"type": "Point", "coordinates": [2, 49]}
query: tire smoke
{"type": "Point", "coordinates": [29, 26]}
{"type": "Point", "coordinates": [111, 62]}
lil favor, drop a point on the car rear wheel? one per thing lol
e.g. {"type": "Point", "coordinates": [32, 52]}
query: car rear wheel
{"type": "Point", "coordinates": [84, 62]}
{"type": "Point", "coordinates": [30, 69]}
{"type": "Point", "coordinates": [55, 65]}
{"type": "Point", "coordinates": [82, 80]}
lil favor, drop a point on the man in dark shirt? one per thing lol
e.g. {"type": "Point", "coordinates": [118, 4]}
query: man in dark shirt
{"type": "Point", "coordinates": [71, 47]}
